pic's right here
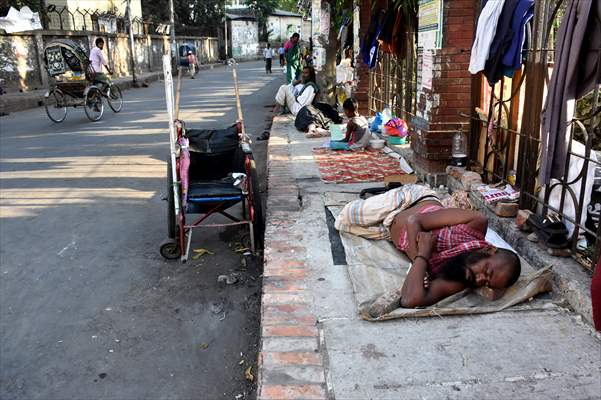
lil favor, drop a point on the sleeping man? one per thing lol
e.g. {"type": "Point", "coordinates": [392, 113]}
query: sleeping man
{"type": "Point", "coordinates": [447, 246]}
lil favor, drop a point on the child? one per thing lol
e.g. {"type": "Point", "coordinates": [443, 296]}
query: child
{"type": "Point", "coordinates": [357, 129]}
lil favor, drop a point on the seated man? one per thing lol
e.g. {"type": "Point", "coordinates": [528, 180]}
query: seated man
{"type": "Point", "coordinates": [447, 246]}
{"type": "Point", "coordinates": [357, 129]}
{"type": "Point", "coordinates": [299, 93]}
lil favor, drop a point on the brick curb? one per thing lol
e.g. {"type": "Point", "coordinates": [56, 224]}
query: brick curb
{"type": "Point", "coordinates": [290, 364]}
{"type": "Point", "coordinates": [23, 101]}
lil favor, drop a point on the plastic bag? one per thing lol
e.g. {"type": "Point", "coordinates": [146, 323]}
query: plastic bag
{"type": "Point", "coordinates": [376, 125]}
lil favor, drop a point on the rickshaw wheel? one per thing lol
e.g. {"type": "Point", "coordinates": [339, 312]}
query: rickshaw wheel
{"type": "Point", "coordinates": [93, 105]}
{"type": "Point", "coordinates": [114, 98]}
{"type": "Point", "coordinates": [56, 108]}
{"type": "Point", "coordinates": [170, 249]}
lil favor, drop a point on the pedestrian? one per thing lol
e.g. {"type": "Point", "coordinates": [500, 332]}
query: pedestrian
{"type": "Point", "coordinates": [191, 64]}
{"type": "Point", "coordinates": [292, 52]}
{"type": "Point", "coordinates": [268, 56]}
{"type": "Point", "coordinates": [282, 58]}
{"type": "Point", "coordinates": [98, 63]}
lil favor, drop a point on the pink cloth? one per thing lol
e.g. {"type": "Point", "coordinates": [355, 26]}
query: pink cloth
{"type": "Point", "coordinates": [451, 241]}
{"type": "Point", "coordinates": [288, 45]}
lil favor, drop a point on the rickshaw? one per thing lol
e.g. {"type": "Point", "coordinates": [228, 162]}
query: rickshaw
{"type": "Point", "coordinates": [209, 171]}
{"type": "Point", "coordinates": [73, 83]}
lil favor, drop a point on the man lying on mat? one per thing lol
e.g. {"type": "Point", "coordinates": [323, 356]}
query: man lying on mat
{"type": "Point", "coordinates": [447, 246]}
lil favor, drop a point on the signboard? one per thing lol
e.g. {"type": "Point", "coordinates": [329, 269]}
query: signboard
{"type": "Point", "coordinates": [430, 24]}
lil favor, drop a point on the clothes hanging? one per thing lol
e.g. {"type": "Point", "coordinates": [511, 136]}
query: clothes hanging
{"type": "Point", "coordinates": [485, 32]}
{"type": "Point", "coordinates": [493, 68]}
{"type": "Point", "coordinates": [399, 43]}
{"type": "Point", "coordinates": [369, 49]}
{"type": "Point", "coordinates": [513, 57]}
{"type": "Point", "coordinates": [385, 38]}
{"type": "Point", "coordinates": [576, 71]}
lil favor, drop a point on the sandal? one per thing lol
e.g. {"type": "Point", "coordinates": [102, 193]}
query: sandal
{"type": "Point", "coordinates": [550, 230]}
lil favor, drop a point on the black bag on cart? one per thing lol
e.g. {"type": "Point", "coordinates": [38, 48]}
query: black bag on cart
{"type": "Point", "coordinates": [214, 153]}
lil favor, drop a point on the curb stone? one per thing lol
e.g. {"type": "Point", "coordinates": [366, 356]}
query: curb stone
{"type": "Point", "coordinates": [290, 364]}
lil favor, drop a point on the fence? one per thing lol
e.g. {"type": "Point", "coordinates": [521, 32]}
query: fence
{"type": "Point", "coordinates": [505, 136]}
{"type": "Point", "coordinates": [22, 59]}
{"type": "Point", "coordinates": [392, 83]}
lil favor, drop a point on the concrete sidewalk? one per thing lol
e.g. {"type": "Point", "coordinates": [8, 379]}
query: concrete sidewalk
{"type": "Point", "coordinates": [315, 346]}
{"type": "Point", "coordinates": [19, 101]}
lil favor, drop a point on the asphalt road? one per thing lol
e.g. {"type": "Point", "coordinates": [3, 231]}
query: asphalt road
{"type": "Point", "coordinates": [88, 308]}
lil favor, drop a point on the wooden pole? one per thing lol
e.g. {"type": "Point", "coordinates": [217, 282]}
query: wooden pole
{"type": "Point", "coordinates": [178, 91]}
{"type": "Point", "coordinates": [237, 91]}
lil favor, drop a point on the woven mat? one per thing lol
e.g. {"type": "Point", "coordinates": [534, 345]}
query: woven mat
{"type": "Point", "coordinates": [354, 166]}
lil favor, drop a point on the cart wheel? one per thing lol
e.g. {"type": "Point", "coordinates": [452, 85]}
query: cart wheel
{"type": "Point", "coordinates": [55, 105]}
{"type": "Point", "coordinates": [170, 249]}
{"type": "Point", "coordinates": [255, 203]}
{"type": "Point", "coordinates": [93, 105]}
{"type": "Point", "coordinates": [114, 98]}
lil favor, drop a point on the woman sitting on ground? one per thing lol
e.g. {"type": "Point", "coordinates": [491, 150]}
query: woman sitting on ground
{"type": "Point", "coordinates": [447, 246]}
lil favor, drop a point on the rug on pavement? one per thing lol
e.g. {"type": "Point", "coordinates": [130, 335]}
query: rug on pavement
{"type": "Point", "coordinates": [376, 267]}
{"type": "Point", "coordinates": [354, 166]}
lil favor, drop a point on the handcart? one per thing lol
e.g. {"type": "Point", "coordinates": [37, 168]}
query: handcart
{"type": "Point", "coordinates": [209, 172]}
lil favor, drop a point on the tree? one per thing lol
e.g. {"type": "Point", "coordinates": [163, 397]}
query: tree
{"type": "Point", "coordinates": [288, 5]}
{"type": "Point", "coordinates": [261, 10]}
{"type": "Point", "coordinates": [202, 17]}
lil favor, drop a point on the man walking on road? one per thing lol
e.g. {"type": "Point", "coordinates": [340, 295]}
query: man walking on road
{"type": "Point", "coordinates": [98, 62]}
{"type": "Point", "coordinates": [268, 56]}
{"type": "Point", "coordinates": [293, 58]}
{"type": "Point", "coordinates": [282, 59]}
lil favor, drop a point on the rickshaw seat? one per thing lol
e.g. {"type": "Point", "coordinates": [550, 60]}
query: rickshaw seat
{"type": "Point", "coordinates": [213, 191]}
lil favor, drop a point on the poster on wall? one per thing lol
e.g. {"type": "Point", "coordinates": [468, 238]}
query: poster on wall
{"type": "Point", "coordinates": [427, 71]}
{"type": "Point", "coordinates": [320, 25]}
{"type": "Point", "coordinates": [430, 24]}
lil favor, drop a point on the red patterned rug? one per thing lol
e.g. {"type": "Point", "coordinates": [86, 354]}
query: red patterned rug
{"type": "Point", "coordinates": [354, 166]}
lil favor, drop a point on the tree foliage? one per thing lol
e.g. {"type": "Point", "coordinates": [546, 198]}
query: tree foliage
{"type": "Point", "coordinates": [288, 5]}
{"type": "Point", "coordinates": [203, 17]}
{"type": "Point", "coordinates": [261, 10]}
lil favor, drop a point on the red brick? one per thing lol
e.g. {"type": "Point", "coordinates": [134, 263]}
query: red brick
{"type": "Point", "coordinates": [273, 284]}
{"type": "Point", "coordinates": [292, 273]}
{"type": "Point", "coordinates": [291, 358]}
{"type": "Point", "coordinates": [292, 392]}
{"type": "Point", "coordinates": [289, 331]}
{"type": "Point", "coordinates": [284, 298]}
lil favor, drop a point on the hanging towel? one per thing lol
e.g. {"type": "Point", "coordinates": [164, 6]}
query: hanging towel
{"type": "Point", "coordinates": [485, 33]}
{"type": "Point", "coordinates": [576, 71]}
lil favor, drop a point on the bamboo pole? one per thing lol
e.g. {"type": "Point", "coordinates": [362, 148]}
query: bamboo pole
{"type": "Point", "coordinates": [178, 92]}
{"type": "Point", "coordinates": [237, 91]}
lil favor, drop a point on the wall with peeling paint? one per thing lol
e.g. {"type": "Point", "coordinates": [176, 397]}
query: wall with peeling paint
{"type": "Point", "coordinates": [245, 39]}
{"type": "Point", "coordinates": [22, 68]}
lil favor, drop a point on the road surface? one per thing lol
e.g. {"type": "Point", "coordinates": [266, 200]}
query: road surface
{"type": "Point", "coordinates": [89, 309]}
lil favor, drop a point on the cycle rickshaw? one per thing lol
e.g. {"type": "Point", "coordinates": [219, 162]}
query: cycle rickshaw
{"type": "Point", "coordinates": [73, 83]}
{"type": "Point", "coordinates": [209, 171]}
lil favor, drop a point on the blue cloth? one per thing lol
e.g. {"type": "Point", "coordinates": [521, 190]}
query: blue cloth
{"type": "Point", "coordinates": [512, 59]}
{"type": "Point", "coordinates": [493, 69]}
{"type": "Point", "coordinates": [339, 145]}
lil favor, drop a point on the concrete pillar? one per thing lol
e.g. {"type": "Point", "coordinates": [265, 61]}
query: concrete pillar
{"type": "Point", "coordinates": [39, 45]}
{"type": "Point", "coordinates": [444, 86]}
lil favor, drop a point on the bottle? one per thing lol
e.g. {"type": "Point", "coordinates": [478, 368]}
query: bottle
{"type": "Point", "coordinates": [459, 151]}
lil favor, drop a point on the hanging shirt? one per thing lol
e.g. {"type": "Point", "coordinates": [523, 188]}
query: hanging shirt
{"type": "Point", "coordinates": [512, 59]}
{"type": "Point", "coordinates": [493, 69]}
{"type": "Point", "coordinates": [576, 71]}
{"type": "Point", "coordinates": [485, 33]}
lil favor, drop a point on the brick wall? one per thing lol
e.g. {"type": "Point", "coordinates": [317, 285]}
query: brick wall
{"type": "Point", "coordinates": [439, 109]}
{"type": "Point", "coordinates": [361, 92]}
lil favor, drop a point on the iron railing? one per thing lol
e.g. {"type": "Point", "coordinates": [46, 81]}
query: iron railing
{"type": "Point", "coordinates": [505, 136]}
